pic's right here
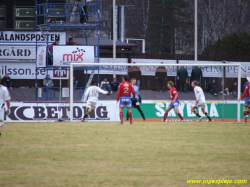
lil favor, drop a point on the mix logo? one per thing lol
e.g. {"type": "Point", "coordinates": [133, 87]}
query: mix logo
{"type": "Point", "coordinates": [75, 56]}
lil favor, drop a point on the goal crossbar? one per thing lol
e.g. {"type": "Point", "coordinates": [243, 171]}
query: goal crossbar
{"type": "Point", "coordinates": [72, 65]}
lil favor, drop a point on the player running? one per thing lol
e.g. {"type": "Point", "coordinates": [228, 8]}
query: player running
{"type": "Point", "coordinates": [135, 102]}
{"type": "Point", "coordinates": [91, 96]}
{"type": "Point", "coordinates": [124, 95]}
{"type": "Point", "coordinates": [246, 94]}
{"type": "Point", "coordinates": [200, 101]}
{"type": "Point", "coordinates": [174, 101]}
{"type": "Point", "coordinates": [4, 98]}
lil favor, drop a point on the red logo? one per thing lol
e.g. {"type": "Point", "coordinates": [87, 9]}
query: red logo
{"type": "Point", "coordinates": [60, 73]}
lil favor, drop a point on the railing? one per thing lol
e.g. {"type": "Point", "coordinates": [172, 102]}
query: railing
{"type": "Point", "coordinates": [47, 93]}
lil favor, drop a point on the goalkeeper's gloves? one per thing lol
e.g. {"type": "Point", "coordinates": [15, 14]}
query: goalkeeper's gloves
{"type": "Point", "coordinates": [8, 112]}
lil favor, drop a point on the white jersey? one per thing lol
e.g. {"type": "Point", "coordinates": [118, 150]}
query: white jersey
{"type": "Point", "coordinates": [92, 93]}
{"type": "Point", "coordinates": [4, 95]}
{"type": "Point", "coordinates": [199, 94]}
{"type": "Point", "coordinates": [248, 79]}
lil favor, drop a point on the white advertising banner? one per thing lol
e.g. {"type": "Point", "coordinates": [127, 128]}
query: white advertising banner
{"type": "Point", "coordinates": [41, 56]}
{"type": "Point", "coordinates": [150, 70]}
{"type": "Point", "coordinates": [217, 71]}
{"type": "Point", "coordinates": [65, 55]}
{"type": "Point", "coordinates": [16, 52]}
{"type": "Point", "coordinates": [50, 112]}
{"type": "Point", "coordinates": [27, 38]}
{"type": "Point", "coordinates": [119, 70]}
{"type": "Point", "coordinates": [28, 71]}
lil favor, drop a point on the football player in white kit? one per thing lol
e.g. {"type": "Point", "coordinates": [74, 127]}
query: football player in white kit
{"type": "Point", "coordinates": [91, 96]}
{"type": "Point", "coordinates": [4, 99]}
{"type": "Point", "coordinates": [200, 101]}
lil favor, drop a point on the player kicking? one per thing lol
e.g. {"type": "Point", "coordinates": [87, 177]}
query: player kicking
{"type": "Point", "coordinates": [174, 101]}
{"type": "Point", "coordinates": [4, 98]}
{"type": "Point", "coordinates": [91, 96]}
{"type": "Point", "coordinates": [246, 94]}
{"type": "Point", "coordinates": [124, 95]}
{"type": "Point", "coordinates": [200, 101]}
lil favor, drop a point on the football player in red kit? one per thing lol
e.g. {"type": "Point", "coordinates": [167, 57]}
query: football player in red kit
{"type": "Point", "coordinates": [174, 101]}
{"type": "Point", "coordinates": [246, 94]}
{"type": "Point", "coordinates": [124, 95]}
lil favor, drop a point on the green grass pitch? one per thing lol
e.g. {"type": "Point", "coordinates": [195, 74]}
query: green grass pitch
{"type": "Point", "coordinates": [107, 154]}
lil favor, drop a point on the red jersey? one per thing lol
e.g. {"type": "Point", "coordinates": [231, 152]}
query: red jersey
{"type": "Point", "coordinates": [173, 93]}
{"type": "Point", "coordinates": [246, 92]}
{"type": "Point", "coordinates": [125, 89]}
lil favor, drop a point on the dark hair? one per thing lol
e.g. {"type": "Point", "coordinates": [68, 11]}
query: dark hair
{"type": "Point", "coordinates": [70, 39]}
{"type": "Point", "coordinates": [57, 40]}
{"type": "Point", "coordinates": [125, 77]}
{"type": "Point", "coordinates": [92, 83]}
{"type": "Point", "coordinates": [171, 83]}
{"type": "Point", "coordinates": [195, 83]}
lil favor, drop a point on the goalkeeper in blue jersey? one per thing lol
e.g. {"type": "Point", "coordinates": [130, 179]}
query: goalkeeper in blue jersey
{"type": "Point", "coordinates": [135, 102]}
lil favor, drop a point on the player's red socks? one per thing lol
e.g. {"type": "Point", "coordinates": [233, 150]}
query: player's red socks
{"type": "Point", "coordinates": [165, 116]}
{"type": "Point", "coordinates": [130, 117]}
{"type": "Point", "coordinates": [121, 117]}
{"type": "Point", "coordinates": [245, 113]}
{"type": "Point", "coordinates": [180, 116]}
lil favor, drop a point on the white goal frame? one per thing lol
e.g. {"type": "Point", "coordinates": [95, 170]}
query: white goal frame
{"type": "Point", "coordinates": [72, 65]}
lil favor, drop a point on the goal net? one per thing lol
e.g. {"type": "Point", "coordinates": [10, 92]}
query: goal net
{"type": "Point", "coordinates": [221, 83]}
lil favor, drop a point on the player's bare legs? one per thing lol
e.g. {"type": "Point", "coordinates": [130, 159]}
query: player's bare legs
{"type": "Point", "coordinates": [166, 113]}
{"type": "Point", "coordinates": [88, 111]}
{"type": "Point", "coordinates": [176, 108]}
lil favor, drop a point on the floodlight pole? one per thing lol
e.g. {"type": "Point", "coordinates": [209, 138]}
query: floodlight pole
{"type": "Point", "coordinates": [195, 31]}
{"type": "Point", "coordinates": [114, 37]}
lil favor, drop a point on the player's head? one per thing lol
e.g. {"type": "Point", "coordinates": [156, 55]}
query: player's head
{"type": "Point", "coordinates": [133, 81]}
{"type": "Point", "coordinates": [57, 42]}
{"type": "Point", "coordinates": [125, 78]}
{"type": "Point", "coordinates": [93, 83]}
{"type": "Point", "coordinates": [170, 84]}
{"type": "Point", "coordinates": [194, 83]}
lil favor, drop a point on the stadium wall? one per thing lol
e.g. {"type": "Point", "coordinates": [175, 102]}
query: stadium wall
{"type": "Point", "coordinates": [108, 111]}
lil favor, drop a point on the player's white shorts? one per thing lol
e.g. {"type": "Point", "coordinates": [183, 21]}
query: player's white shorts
{"type": "Point", "coordinates": [201, 104]}
{"type": "Point", "coordinates": [1, 115]}
{"type": "Point", "coordinates": [91, 104]}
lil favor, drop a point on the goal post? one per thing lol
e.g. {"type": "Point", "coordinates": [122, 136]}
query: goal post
{"type": "Point", "coordinates": [73, 65]}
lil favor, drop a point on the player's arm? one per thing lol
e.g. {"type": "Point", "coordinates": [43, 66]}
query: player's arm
{"type": "Point", "coordinates": [175, 97]}
{"type": "Point", "coordinates": [198, 95]}
{"type": "Point", "coordinates": [133, 91]}
{"type": "Point", "coordinates": [118, 93]}
{"type": "Point", "coordinates": [244, 94]}
{"type": "Point", "coordinates": [248, 79]}
{"type": "Point", "coordinates": [7, 100]}
{"type": "Point", "coordinates": [102, 91]}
